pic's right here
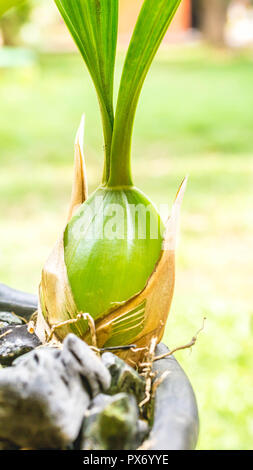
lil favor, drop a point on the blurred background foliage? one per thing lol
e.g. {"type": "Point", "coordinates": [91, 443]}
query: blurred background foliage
{"type": "Point", "coordinates": [11, 24]}
{"type": "Point", "coordinates": [195, 117]}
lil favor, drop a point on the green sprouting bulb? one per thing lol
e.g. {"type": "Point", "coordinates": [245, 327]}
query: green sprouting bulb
{"type": "Point", "coordinates": [111, 248]}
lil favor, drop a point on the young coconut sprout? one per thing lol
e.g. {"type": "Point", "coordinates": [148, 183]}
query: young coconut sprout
{"type": "Point", "coordinates": [119, 272]}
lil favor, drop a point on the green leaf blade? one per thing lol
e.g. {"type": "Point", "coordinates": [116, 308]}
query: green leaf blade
{"type": "Point", "coordinates": [153, 22]}
{"type": "Point", "coordinates": [93, 25]}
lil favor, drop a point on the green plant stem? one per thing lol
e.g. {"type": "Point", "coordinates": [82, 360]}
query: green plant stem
{"type": "Point", "coordinates": [153, 22]}
{"type": "Point", "coordinates": [93, 25]}
{"type": "Point", "coordinates": [107, 122]}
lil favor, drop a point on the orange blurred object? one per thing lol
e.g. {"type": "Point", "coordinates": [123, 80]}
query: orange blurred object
{"type": "Point", "coordinates": [129, 10]}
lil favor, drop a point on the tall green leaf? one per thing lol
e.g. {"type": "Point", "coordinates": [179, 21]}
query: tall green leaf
{"type": "Point", "coordinates": [152, 24]}
{"type": "Point", "coordinates": [94, 26]}
{"type": "Point", "coordinates": [7, 4]}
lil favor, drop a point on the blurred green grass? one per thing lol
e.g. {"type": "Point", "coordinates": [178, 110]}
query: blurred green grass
{"type": "Point", "coordinates": [195, 117]}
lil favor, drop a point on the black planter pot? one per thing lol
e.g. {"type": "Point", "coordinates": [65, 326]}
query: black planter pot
{"type": "Point", "coordinates": [176, 423]}
{"type": "Point", "coordinates": [12, 300]}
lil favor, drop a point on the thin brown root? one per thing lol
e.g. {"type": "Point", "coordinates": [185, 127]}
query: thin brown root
{"type": "Point", "coordinates": [34, 316]}
{"type": "Point", "coordinates": [80, 316]}
{"type": "Point", "coordinates": [147, 365]}
{"type": "Point", "coordinates": [134, 349]}
{"type": "Point", "coordinates": [185, 346]}
{"type": "Point", "coordinates": [21, 318]}
{"type": "Point", "coordinates": [146, 371]}
{"type": "Point", "coordinates": [133, 363]}
{"type": "Point", "coordinates": [31, 327]}
{"type": "Point", "coordinates": [96, 350]}
{"type": "Point", "coordinates": [5, 334]}
{"type": "Point", "coordinates": [159, 381]}
{"type": "Point", "coordinates": [92, 328]}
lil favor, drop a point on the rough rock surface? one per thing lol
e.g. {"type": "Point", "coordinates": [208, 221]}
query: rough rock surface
{"type": "Point", "coordinates": [112, 423]}
{"type": "Point", "coordinates": [44, 395]}
{"type": "Point", "coordinates": [15, 341]}
{"type": "Point", "coordinates": [8, 319]}
{"type": "Point", "coordinates": [124, 378]}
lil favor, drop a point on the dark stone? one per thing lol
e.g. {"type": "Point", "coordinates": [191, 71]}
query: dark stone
{"type": "Point", "coordinates": [92, 370]}
{"type": "Point", "coordinates": [143, 431]}
{"type": "Point", "coordinates": [9, 319]}
{"type": "Point", "coordinates": [15, 342]}
{"type": "Point", "coordinates": [112, 423]}
{"type": "Point", "coordinates": [44, 395]}
{"type": "Point", "coordinates": [175, 421]}
{"type": "Point", "coordinates": [124, 378]}
{"type": "Point", "coordinates": [21, 303]}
